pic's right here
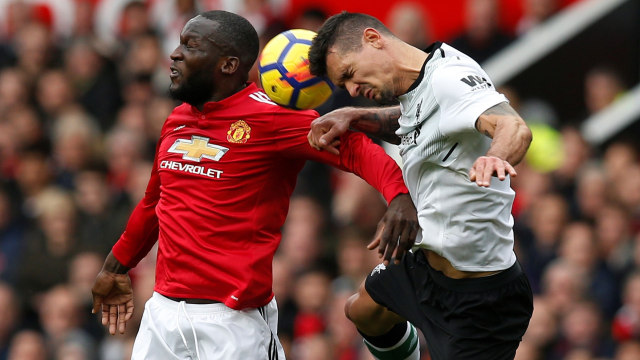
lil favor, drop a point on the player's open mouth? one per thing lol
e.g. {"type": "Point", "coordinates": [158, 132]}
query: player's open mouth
{"type": "Point", "coordinates": [174, 72]}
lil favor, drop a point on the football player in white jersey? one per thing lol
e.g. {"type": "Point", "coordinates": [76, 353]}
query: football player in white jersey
{"type": "Point", "coordinates": [459, 140]}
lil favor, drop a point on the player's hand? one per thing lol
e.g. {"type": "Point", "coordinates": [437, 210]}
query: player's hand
{"type": "Point", "coordinates": [326, 130]}
{"type": "Point", "coordinates": [487, 166]}
{"type": "Point", "coordinates": [113, 298]}
{"type": "Point", "coordinates": [397, 230]}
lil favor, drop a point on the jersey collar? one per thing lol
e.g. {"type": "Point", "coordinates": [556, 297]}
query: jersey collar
{"type": "Point", "coordinates": [226, 102]}
{"type": "Point", "coordinates": [431, 49]}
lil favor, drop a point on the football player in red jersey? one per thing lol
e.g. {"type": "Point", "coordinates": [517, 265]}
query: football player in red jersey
{"type": "Point", "coordinates": [226, 164]}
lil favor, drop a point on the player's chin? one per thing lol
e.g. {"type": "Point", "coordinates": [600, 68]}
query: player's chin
{"type": "Point", "coordinates": [175, 86]}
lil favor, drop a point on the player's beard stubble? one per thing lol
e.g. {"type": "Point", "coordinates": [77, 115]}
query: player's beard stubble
{"type": "Point", "coordinates": [195, 89]}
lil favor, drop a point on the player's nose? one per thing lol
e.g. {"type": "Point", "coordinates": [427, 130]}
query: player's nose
{"type": "Point", "coordinates": [352, 88]}
{"type": "Point", "coordinates": [176, 54]}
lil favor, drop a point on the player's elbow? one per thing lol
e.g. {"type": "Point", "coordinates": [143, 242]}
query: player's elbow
{"type": "Point", "coordinates": [523, 138]}
{"type": "Point", "coordinates": [525, 133]}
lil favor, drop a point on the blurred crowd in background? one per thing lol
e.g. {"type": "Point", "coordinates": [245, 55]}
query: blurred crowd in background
{"type": "Point", "coordinates": [82, 102]}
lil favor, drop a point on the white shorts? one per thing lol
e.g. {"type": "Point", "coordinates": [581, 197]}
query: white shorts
{"type": "Point", "coordinates": [177, 330]}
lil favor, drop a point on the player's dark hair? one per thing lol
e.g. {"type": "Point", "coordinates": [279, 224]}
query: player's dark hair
{"type": "Point", "coordinates": [344, 31]}
{"type": "Point", "coordinates": [237, 36]}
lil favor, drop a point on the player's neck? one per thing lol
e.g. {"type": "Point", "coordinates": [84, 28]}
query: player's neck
{"type": "Point", "coordinates": [409, 62]}
{"type": "Point", "coordinates": [222, 94]}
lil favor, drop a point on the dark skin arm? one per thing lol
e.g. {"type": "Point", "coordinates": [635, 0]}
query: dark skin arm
{"type": "Point", "coordinates": [113, 295]}
{"type": "Point", "coordinates": [397, 230]}
{"type": "Point", "coordinates": [511, 139]}
{"type": "Point", "coordinates": [398, 227]}
{"type": "Point", "coordinates": [378, 122]}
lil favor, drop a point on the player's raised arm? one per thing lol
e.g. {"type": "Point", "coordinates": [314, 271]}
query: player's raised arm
{"type": "Point", "coordinates": [381, 123]}
{"type": "Point", "coordinates": [511, 139]}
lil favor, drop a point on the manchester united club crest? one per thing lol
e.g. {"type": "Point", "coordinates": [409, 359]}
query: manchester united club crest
{"type": "Point", "coordinates": [239, 132]}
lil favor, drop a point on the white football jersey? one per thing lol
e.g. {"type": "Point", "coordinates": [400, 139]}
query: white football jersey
{"type": "Point", "coordinates": [469, 225]}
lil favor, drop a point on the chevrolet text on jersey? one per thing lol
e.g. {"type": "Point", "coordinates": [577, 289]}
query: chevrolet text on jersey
{"type": "Point", "coordinates": [193, 169]}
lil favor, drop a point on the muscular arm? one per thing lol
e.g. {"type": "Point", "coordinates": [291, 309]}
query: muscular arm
{"type": "Point", "coordinates": [511, 139]}
{"type": "Point", "coordinates": [378, 122]}
{"type": "Point", "coordinates": [511, 136]}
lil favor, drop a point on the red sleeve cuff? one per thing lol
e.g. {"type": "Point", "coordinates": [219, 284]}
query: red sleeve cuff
{"type": "Point", "coordinates": [394, 189]}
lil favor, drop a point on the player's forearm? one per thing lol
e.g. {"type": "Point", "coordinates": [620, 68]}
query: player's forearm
{"type": "Point", "coordinates": [511, 140]}
{"type": "Point", "coordinates": [381, 123]}
{"type": "Point", "coordinates": [111, 264]}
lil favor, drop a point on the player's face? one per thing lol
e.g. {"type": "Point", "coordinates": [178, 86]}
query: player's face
{"type": "Point", "coordinates": [362, 72]}
{"type": "Point", "coordinates": [194, 61]}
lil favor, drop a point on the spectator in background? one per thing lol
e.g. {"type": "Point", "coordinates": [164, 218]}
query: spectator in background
{"type": "Point", "coordinates": [613, 234]}
{"type": "Point", "coordinates": [14, 90]}
{"type": "Point", "coordinates": [75, 139]}
{"type": "Point", "coordinates": [602, 86]}
{"type": "Point", "coordinates": [311, 293]}
{"type": "Point", "coordinates": [535, 12]}
{"type": "Point", "coordinates": [101, 216]}
{"type": "Point", "coordinates": [34, 172]}
{"type": "Point", "coordinates": [540, 235]}
{"type": "Point", "coordinates": [579, 249]}
{"type": "Point", "coordinates": [627, 191]}
{"type": "Point", "coordinates": [575, 154]}
{"type": "Point", "coordinates": [618, 157]}
{"type": "Point", "coordinates": [582, 329]}
{"type": "Point", "coordinates": [408, 21]}
{"type": "Point", "coordinates": [28, 345]}
{"type": "Point", "coordinates": [311, 19]}
{"type": "Point", "coordinates": [301, 243]}
{"type": "Point", "coordinates": [123, 149]}
{"type": "Point", "coordinates": [83, 269]}
{"type": "Point", "coordinates": [10, 317]}
{"type": "Point", "coordinates": [94, 81]}
{"type": "Point", "coordinates": [482, 36]}
{"type": "Point", "coordinates": [356, 203]}
{"type": "Point", "coordinates": [27, 127]}
{"type": "Point", "coordinates": [61, 318]}
{"type": "Point", "coordinates": [49, 247]}
{"type": "Point", "coordinates": [55, 96]}
{"type": "Point", "coordinates": [35, 50]}
{"type": "Point", "coordinates": [629, 350]}
{"type": "Point", "coordinates": [11, 236]}
{"type": "Point", "coordinates": [353, 259]}
{"type": "Point", "coordinates": [345, 341]}
{"type": "Point", "coordinates": [591, 192]}
{"type": "Point", "coordinates": [626, 322]}
{"type": "Point", "coordinates": [562, 287]}
{"type": "Point", "coordinates": [542, 331]}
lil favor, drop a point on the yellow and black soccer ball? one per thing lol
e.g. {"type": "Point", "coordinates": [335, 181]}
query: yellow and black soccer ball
{"type": "Point", "coordinates": [284, 71]}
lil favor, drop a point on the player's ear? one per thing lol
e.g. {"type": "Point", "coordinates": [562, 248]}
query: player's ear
{"type": "Point", "coordinates": [229, 65]}
{"type": "Point", "coordinates": [372, 37]}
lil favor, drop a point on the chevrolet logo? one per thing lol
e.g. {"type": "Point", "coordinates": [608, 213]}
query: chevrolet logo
{"type": "Point", "coordinates": [197, 148]}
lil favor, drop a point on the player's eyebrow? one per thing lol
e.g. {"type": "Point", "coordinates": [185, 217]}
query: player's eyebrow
{"type": "Point", "coordinates": [344, 75]}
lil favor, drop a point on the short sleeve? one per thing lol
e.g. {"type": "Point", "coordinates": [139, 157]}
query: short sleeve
{"type": "Point", "coordinates": [463, 92]}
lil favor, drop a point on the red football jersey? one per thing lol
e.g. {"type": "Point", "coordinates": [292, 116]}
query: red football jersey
{"type": "Point", "coordinates": [219, 194]}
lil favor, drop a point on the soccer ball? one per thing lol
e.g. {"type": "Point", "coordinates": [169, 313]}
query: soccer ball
{"type": "Point", "coordinates": [284, 71]}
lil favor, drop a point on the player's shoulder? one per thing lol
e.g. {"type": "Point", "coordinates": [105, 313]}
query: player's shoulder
{"type": "Point", "coordinates": [260, 101]}
{"type": "Point", "coordinates": [459, 75]}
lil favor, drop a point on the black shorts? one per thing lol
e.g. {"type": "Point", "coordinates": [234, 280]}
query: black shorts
{"type": "Point", "coordinates": [479, 318]}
